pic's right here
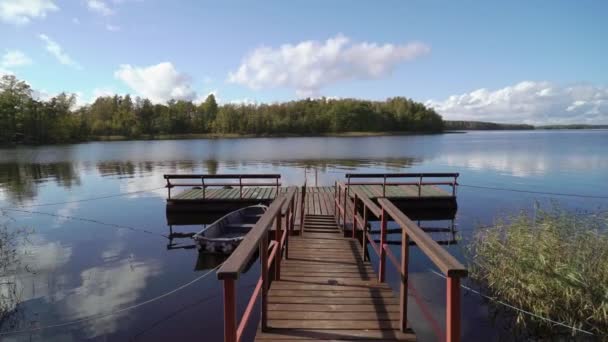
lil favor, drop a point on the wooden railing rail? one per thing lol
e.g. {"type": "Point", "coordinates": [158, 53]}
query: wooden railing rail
{"type": "Point", "coordinates": [281, 213]}
{"type": "Point", "coordinates": [453, 183]}
{"type": "Point", "coordinates": [346, 196]}
{"type": "Point", "coordinates": [447, 264]}
{"type": "Point", "coordinates": [238, 180]}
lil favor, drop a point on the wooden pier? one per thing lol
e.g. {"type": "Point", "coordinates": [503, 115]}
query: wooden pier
{"type": "Point", "coordinates": [327, 291]}
{"type": "Point", "coordinates": [316, 280]}
{"type": "Point", "coordinates": [227, 192]}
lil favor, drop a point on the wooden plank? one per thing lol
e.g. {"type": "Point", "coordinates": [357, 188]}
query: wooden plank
{"type": "Point", "coordinates": [327, 291]}
{"type": "Point", "coordinates": [354, 316]}
{"type": "Point", "coordinates": [333, 335]}
{"type": "Point", "coordinates": [333, 308]}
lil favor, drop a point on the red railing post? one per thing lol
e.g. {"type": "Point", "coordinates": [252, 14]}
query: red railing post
{"type": "Point", "coordinates": [384, 187]}
{"type": "Point", "coordinates": [302, 204]}
{"type": "Point", "coordinates": [279, 252]}
{"type": "Point", "coordinates": [382, 257]}
{"type": "Point", "coordinates": [335, 198]}
{"type": "Point", "coordinates": [364, 233]}
{"type": "Point", "coordinates": [289, 226]}
{"type": "Point", "coordinates": [453, 309]}
{"type": "Point", "coordinates": [229, 311]}
{"type": "Point", "coordinates": [346, 191]}
{"type": "Point", "coordinates": [264, 290]}
{"type": "Point", "coordinates": [241, 187]}
{"type": "Point", "coordinates": [405, 242]}
{"type": "Point", "coordinates": [354, 216]}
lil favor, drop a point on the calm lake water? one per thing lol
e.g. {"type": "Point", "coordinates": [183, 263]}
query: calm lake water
{"type": "Point", "coordinates": [77, 274]}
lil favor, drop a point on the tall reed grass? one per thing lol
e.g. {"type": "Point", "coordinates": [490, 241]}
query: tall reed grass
{"type": "Point", "coordinates": [552, 263]}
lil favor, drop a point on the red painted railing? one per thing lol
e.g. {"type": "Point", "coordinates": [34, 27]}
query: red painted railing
{"type": "Point", "coordinates": [435, 180]}
{"type": "Point", "coordinates": [281, 214]}
{"type": "Point", "coordinates": [346, 197]}
{"type": "Point", "coordinates": [226, 180]}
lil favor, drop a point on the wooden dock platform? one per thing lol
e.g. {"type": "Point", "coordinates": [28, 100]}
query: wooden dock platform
{"type": "Point", "coordinates": [327, 291]}
{"type": "Point", "coordinates": [316, 281]}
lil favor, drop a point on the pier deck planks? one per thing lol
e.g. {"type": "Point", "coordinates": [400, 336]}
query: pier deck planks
{"type": "Point", "coordinates": [327, 291]}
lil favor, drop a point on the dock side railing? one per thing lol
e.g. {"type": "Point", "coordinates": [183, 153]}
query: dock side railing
{"type": "Point", "coordinates": [281, 214]}
{"type": "Point", "coordinates": [388, 180]}
{"type": "Point", "coordinates": [225, 180]}
{"type": "Point", "coordinates": [346, 204]}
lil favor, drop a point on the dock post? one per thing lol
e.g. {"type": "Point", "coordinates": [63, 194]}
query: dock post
{"type": "Point", "coordinates": [302, 212]}
{"type": "Point", "coordinates": [453, 309]}
{"type": "Point", "coordinates": [382, 267]}
{"type": "Point", "coordinates": [335, 198]}
{"type": "Point", "coordinates": [346, 191]}
{"type": "Point", "coordinates": [364, 234]}
{"type": "Point", "coordinates": [405, 242]}
{"type": "Point", "coordinates": [279, 253]}
{"type": "Point", "coordinates": [264, 289]}
{"type": "Point", "coordinates": [384, 187]}
{"type": "Point", "coordinates": [354, 216]}
{"type": "Point", "coordinates": [229, 311]}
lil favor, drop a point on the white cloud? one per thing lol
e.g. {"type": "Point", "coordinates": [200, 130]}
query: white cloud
{"type": "Point", "coordinates": [112, 28]}
{"type": "Point", "coordinates": [14, 58]}
{"type": "Point", "coordinates": [55, 49]}
{"type": "Point", "coordinates": [105, 288]}
{"type": "Point", "coordinates": [159, 83]}
{"type": "Point", "coordinates": [20, 12]}
{"type": "Point", "coordinates": [311, 65]}
{"type": "Point", "coordinates": [99, 6]}
{"type": "Point", "coordinates": [529, 102]}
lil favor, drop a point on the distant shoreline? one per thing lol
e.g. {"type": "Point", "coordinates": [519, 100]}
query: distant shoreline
{"type": "Point", "coordinates": [194, 136]}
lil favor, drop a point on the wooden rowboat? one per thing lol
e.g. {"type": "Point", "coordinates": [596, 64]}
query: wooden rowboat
{"type": "Point", "coordinates": [225, 234]}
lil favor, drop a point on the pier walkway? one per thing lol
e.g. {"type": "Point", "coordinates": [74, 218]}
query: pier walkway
{"type": "Point", "coordinates": [316, 281]}
{"type": "Point", "coordinates": [327, 291]}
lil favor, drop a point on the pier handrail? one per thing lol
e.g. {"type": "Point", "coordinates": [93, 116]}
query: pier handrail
{"type": "Point", "coordinates": [239, 177]}
{"type": "Point", "coordinates": [280, 213]}
{"type": "Point", "coordinates": [447, 264]}
{"type": "Point", "coordinates": [404, 175]}
{"type": "Point", "coordinates": [419, 175]}
{"type": "Point", "coordinates": [346, 196]}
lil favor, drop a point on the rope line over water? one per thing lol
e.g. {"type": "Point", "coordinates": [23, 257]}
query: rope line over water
{"type": "Point", "coordinates": [102, 315]}
{"type": "Point", "coordinates": [516, 308]}
{"type": "Point", "coordinates": [533, 192]}
{"type": "Point", "coordinates": [83, 219]}
{"type": "Point", "coordinates": [84, 199]}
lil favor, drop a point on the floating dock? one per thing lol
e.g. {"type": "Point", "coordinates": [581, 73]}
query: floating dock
{"type": "Point", "coordinates": [316, 280]}
{"type": "Point", "coordinates": [204, 194]}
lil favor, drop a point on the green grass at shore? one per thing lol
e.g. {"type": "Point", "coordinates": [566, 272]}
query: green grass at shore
{"type": "Point", "coordinates": [551, 263]}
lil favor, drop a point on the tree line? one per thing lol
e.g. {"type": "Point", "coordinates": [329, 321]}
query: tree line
{"type": "Point", "coordinates": [23, 118]}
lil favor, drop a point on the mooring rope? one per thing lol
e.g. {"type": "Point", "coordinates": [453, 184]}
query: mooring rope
{"type": "Point", "coordinates": [533, 192]}
{"type": "Point", "coordinates": [516, 308]}
{"type": "Point", "coordinates": [102, 315]}
{"type": "Point", "coordinates": [83, 199]}
{"type": "Point", "coordinates": [83, 219]}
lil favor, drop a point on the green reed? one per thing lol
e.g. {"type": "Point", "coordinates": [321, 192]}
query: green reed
{"type": "Point", "coordinates": [552, 263]}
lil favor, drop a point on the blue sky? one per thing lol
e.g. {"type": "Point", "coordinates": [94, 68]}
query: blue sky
{"type": "Point", "coordinates": [515, 61]}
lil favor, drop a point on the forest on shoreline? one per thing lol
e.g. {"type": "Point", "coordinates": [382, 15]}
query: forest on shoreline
{"type": "Point", "coordinates": [25, 119]}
